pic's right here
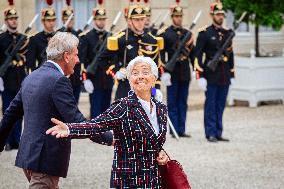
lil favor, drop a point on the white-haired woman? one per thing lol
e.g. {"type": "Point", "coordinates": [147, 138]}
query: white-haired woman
{"type": "Point", "coordinates": [139, 126]}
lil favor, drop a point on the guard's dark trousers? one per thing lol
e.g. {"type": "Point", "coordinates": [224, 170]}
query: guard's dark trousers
{"type": "Point", "coordinates": [215, 103]}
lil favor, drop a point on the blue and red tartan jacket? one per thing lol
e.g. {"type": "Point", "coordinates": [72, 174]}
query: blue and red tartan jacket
{"type": "Point", "coordinates": [136, 145]}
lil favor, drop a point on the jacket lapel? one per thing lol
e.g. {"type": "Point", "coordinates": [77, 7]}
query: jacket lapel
{"type": "Point", "coordinates": [142, 117]}
{"type": "Point", "coordinates": [161, 117]}
{"type": "Point", "coordinates": [162, 121]}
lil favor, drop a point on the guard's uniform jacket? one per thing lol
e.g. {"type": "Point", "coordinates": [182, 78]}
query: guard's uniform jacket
{"type": "Point", "coordinates": [172, 37]}
{"type": "Point", "coordinates": [209, 41]}
{"type": "Point", "coordinates": [17, 71]}
{"type": "Point", "coordinates": [135, 45]}
{"type": "Point", "coordinates": [36, 54]}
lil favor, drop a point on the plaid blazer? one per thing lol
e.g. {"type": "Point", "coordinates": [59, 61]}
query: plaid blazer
{"type": "Point", "coordinates": [136, 144]}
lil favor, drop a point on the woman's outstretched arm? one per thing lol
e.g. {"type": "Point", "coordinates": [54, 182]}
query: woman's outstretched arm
{"type": "Point", "coordinates": [109, 119]}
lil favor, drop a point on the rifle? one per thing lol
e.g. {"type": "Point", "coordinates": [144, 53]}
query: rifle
{"type": "Point", "coordinates": [88, 23]}
{"type": "Point", "coordinates": [10, 54]}
{"type": "Point", "coordinates": [85, 28]}
{"type": "Point", "coordinates": [92, 68]}
{"type": "Point", "coordinates": [65, 26]}
{"type": "Point", "coordinates": [172, 62]}
{"type": "Point", "coordinates": [213, 63]}
{"type": "Point", "coordinates": [154, 22]}
{"type": "Point", "coordinates": [162, 24]}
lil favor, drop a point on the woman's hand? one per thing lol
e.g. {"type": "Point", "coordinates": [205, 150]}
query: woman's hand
{"type": "Point", "coordinates": [163, 158]}
{"type": "Point", "coordinates": [60, 129]}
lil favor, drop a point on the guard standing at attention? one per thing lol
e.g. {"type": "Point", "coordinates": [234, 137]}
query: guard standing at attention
{"type": "Point", "coordinates": [177, 92]}
{"type": "Point", "coordinates": [214, 83]}
{"type": "Point", "coordinates": [10, 82]}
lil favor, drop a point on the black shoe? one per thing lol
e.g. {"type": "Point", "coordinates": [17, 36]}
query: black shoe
{"type": "Point", "coordinates": [223, 139]}
{"type": "Point", "coordinates": [212, 139]}
{"type": "Point", "coordinates": [185, 135]}
{"type": "Point", "coordinates": [10, 147]}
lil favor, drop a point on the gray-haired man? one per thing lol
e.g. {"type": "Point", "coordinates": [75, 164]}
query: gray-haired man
{"type": "Point", "coordinates": [44, 94]}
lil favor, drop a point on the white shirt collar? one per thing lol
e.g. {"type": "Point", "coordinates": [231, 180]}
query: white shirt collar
{"type": "Point", "coordinates": [151, 115]}
{"type": "Point", "coordinates": [57, 66]}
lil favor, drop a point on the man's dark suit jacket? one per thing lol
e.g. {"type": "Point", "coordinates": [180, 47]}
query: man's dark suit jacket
{"type": "Point", "coordinates": [45, 93]}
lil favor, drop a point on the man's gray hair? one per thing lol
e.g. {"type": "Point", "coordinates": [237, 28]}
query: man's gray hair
{"type": "Point", "coordinates": [142, 59]}
{"type": "Point", "coordinates": [61, 42]}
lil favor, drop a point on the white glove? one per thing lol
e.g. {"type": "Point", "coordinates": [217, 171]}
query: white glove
{"type": "Point", "coordinates": [1, 84]}
{"type": "Point", "coordinates": [159, 95]}
{"type": "Point", "coordinates": [121, 74]}
{"type": "Point", "coordinates": [202, 83]}
{"type": "Point", "coordinates": [166, 79]}
{"type": "Point", "coordinates": [193, 76]}
{"type": "Point", "coordinates": [88, 86]}
{"type": "Point", "coordinates": [233, 81]}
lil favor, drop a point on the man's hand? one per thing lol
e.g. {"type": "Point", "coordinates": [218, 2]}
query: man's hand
{"type": "Point", "coordinates": [60, 130]}
{"type": "Point", "coordinates": [163, 158]}
{"type": "Point", "coordinates": [89, 86]}
{"type": "Point", "coordinates": [1, 84]}
{"type": "Point", "coordinates": [202, 83]}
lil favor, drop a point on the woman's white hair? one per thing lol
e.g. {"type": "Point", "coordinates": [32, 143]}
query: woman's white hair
{"type": "Point", "coordinates": [142, 59]}
{"type": "Point", "coordinates": [61, 42]}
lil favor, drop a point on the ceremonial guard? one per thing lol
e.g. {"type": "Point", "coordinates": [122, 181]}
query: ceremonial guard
{"type": "Point", "coordinates": [75, 78]}
{"type": "Point", "coordinates": [180, 76]}
{"type": "Point", "coordinates": [11, 79]}
{"type": "Point", "coordinates": [214, 83]}
{"type": "Point", "coordinates": [36, 54]}
{"type": "Point", "coordinates": [129, 44]}
{"type": "Point", "coordinates": [149, 26]}
{"type": "Point", "coordinates": [99, 84]}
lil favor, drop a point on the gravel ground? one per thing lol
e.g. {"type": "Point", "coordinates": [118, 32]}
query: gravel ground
{"type": "Point", "coordinates": [254, 157]}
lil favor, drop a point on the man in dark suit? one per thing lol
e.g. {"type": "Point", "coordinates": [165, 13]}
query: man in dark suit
{"type": "Point", "coordinates": [44, 94]}
{"type": "Point", "coordinates": [10, 82]}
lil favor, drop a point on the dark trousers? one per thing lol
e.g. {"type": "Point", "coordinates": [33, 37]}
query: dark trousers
{"type": "Point", "coordinates": [100, 101]}
{"type": "Point", "coordinates": [122, 89]}
{"type": "Point", "coordinates": [215, 102]}
{"type": "Point", "coordinates": [177, 95]}
{"type": "Point", "coordinates": [14, 137]}
{"type": "Point", "coordinates": [76, 92]}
